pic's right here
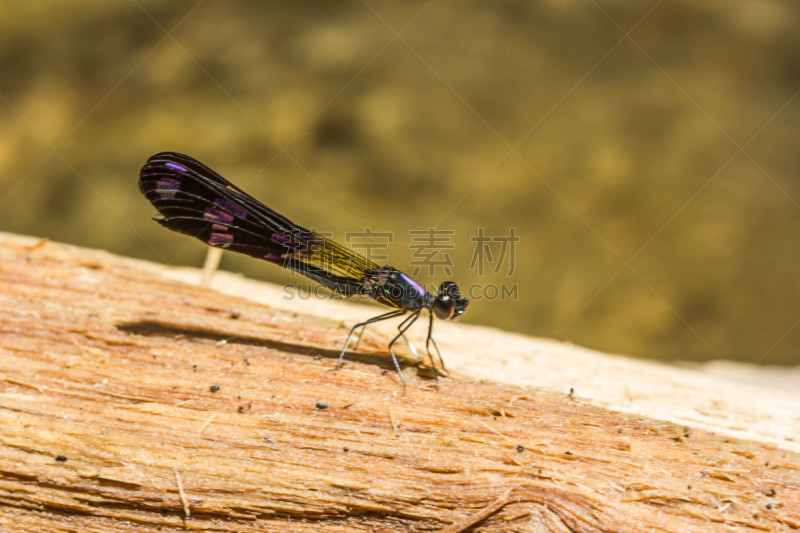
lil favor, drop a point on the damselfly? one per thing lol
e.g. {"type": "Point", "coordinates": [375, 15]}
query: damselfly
{"type": "Point", "coordinates": [194, 200]}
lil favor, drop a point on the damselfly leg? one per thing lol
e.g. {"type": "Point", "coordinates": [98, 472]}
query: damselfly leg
{"type": "Point", "coordinates": [379, 318]}
{"type": "Point", "coordinates": [408, 323]}
{"type": "Point", "coordinates": [430, 340]}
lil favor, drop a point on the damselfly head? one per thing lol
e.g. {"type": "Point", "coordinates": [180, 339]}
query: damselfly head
{"type": "Point", "coordinates": [449, 303]}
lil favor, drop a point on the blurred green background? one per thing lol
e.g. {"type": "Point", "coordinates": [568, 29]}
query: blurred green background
{"type": "Point", "coordinates": [645, 153]}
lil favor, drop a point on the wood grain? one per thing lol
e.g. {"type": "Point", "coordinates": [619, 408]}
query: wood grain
{"type": "Point", "coordinates": [131, 402]}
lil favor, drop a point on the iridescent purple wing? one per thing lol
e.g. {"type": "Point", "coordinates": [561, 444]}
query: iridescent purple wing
{"type": "Point", "coordinates": [194, 200]}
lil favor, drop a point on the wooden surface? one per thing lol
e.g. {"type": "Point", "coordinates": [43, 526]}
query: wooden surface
{"type": "Point", "coordinates": [739, 400]}
{"type": "Point", "coordinates": [109, 422]}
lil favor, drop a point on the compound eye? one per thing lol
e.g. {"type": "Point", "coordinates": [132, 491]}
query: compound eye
{"type": "Point", "coordinates": [448, 288]}
{"type": "Point", "coordinates": [443, 308]}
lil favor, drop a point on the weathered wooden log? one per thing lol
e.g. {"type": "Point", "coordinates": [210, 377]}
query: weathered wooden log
{"type": "Point", "coordinates": [130, 402]}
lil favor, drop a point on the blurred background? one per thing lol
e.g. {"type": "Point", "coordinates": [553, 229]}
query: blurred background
{"type": "Point", "coordinates": [644, 154]}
